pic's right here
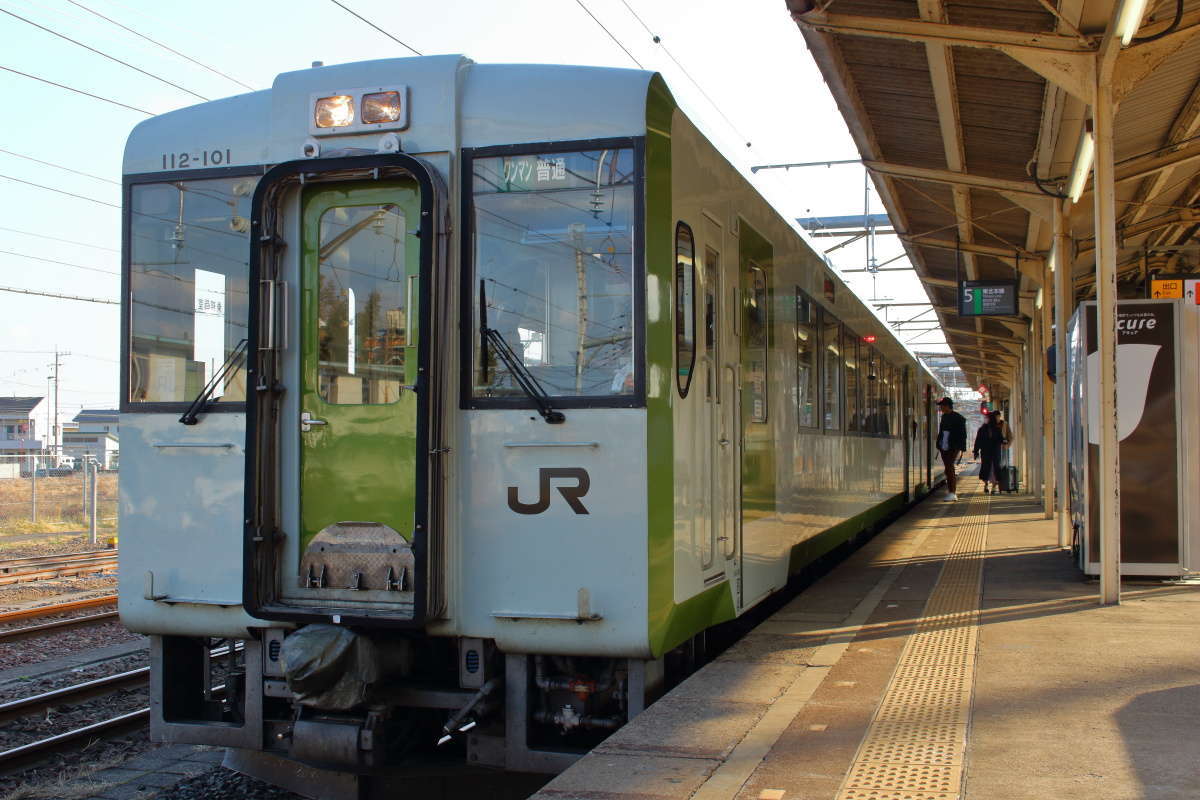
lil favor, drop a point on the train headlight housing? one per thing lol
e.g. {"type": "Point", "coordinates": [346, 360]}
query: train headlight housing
{"type": "Point", "coordinates": [334, 112]}
{"type": "Point", "coordinates": [382, 107]}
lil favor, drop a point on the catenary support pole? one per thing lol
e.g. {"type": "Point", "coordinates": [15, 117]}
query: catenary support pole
{"type": "Point", "coordinates": [1064, 306]}
{"type": "Point", "coordinates": [1109, 464]}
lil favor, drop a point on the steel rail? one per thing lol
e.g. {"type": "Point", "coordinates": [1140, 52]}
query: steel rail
{"type": "Point", "coordinates": [16, 634]}
{"type": "Point", "coordinates": [17, 757]}
{"type": "Point", "coordinates": [69, 695]}
{"type": "Point", "coordinates": [9, 564]}
{"type": "Point", "coordinates": [78, 568]}
{"type": "Point", "coordinates": [56, 608]}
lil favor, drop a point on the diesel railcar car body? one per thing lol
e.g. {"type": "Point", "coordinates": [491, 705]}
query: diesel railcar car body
{"type": "Point", "coordinates": [498, 383]}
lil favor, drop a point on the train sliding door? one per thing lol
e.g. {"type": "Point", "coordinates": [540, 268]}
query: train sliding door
{"type": "Point", "coordinates": [358, 423]}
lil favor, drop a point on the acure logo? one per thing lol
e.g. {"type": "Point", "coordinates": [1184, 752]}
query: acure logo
{"type": "Point", "coordinates": [571, 494]}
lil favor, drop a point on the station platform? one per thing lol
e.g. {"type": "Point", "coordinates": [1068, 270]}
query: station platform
{"type": "Point", "coordinates": [958, 654]}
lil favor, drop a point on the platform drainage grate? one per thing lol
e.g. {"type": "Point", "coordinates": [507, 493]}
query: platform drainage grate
{"type": "Point", "coordinates": [915, 746]}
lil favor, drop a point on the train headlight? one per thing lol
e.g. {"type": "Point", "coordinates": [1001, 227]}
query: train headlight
{"type": "Point", "coordinates": [334, 112]}
{"type": "Point", "coordinates": [381, 107]}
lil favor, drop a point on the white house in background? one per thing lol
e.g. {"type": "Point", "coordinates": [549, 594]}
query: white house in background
{"type": "Point", "coordinates": [95, 435]}
{"type": "Point", "coordinates": [18, 428]}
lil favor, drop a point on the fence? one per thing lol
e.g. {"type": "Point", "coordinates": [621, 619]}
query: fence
{"type": "Point", "coordinates": [47, 494]}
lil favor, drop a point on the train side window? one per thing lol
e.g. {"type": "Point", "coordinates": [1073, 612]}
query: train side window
{"type": "Point", "coordinates": [806, 361]}
{"type": "Point", "coordinates": [712, 264]}
{"type": "Point", "coordinates": [853, 387]}
{"type": "Point", "coordinates": [831, 372]}
{"type": "Point", "coordinates": [685, 307]}
{"type": "Point", "coordinates": [757, 340]}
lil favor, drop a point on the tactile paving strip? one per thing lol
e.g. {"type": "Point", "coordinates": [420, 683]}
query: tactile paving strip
{"type": "Point", "coordinates": [914, 748]}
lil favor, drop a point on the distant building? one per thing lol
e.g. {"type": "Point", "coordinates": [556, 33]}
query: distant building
{"type": "Point", "coordinates": [18, 428]}
{"type": "Point", "coordinates": [95, 435]}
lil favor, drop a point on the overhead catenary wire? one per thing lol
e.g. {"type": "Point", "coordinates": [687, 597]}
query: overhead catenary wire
{"type": "Point", "coordinates": [658, 41]}
{"type": "Point", "coordinates": [59, 166]}
{"type": "Point", "coordinates": [163, 46]}
{"type": "Point", "coordinates": [352, 12]}
{"type": "Point", "coordinates": [101, 300]}
{"type": "Point", "coordinates": [606, 30]}
{"type": "Point", "coordinates": [60, 191]}
{"type": "Point", "coordinates": [59, 239]}
{"type": "Point", "coordinates": [91, 49]}
{"type": "Point", "coordinates": [77, 91]}
{"type": "Point", "coordinates": [62, 263]}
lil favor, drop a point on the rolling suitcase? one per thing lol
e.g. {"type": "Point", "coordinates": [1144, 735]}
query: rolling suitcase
{"type": "Point", "coordinates": [1008, 479]}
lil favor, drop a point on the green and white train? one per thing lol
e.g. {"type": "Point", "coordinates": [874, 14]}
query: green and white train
{"type": "Point", "coordinates": [458, 396]}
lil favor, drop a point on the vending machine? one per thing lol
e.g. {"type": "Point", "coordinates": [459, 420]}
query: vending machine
{"type": "Point", "coordinates": [1158, 429]}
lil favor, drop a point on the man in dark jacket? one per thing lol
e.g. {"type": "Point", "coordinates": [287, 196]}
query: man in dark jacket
{"type": "Point", "coordinates": [951, 441]}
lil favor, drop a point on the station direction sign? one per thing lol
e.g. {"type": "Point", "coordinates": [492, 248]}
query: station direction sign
{"type": "Point", "coordinates": [987, 298]}
{"type": "Point", "coordinates": [1174, 287]}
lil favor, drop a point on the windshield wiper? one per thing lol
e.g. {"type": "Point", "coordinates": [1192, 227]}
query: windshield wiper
{"type": "Point", "coordinates": [516, 367]}
{"type": "Point", "coordinates": [200, 404]}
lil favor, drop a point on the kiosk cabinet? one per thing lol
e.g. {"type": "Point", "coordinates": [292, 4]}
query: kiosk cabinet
{"type": "Point", "coordinates": [1158, 427]}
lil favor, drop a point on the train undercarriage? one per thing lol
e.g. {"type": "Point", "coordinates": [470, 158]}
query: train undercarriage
{"type": "Point", "coordinates": [326, 707]}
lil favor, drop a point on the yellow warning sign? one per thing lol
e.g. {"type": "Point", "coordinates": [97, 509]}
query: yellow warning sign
{"type": "Point", "coordinates": [1166, 288]}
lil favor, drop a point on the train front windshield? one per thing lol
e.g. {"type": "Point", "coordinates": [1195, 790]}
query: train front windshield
{"type": "Point", "coordinates": [189, 245]}
{"type": "Point", "coordinates": [553, 253]}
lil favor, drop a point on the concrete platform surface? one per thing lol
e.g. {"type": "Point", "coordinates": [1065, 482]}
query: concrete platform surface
{"type": "Point", "coordinates": [959, 654]}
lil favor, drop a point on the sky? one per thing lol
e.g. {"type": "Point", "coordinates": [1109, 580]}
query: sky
{"type": "Point", "coordinates": [741, 71]}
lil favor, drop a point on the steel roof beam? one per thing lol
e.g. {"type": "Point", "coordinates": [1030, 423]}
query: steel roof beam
{"type": "Point", "coordinates": [954, 178]}
{"type": "Point", "coordinates": [1007, 255]}
{"type": "Point", "coordinates": [943, 33]}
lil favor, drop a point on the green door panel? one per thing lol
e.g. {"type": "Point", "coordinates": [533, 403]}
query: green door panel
{"type": "Point", "coordinates": [359, 325]}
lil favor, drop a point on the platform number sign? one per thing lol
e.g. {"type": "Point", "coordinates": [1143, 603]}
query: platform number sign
{"type": "Point", "coordinates": [987, 298]}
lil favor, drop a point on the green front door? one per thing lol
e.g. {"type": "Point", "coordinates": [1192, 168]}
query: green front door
{"type": "Point", "coordinates": [358, 406]}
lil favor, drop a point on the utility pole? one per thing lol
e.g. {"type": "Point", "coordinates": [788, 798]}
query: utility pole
{"type": "Point", "coordinates": [54, 428]}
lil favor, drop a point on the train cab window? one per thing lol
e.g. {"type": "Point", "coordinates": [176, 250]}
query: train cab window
{"type": "Point", "coordinates": [831, 372]}
{"type": "Point", "coordinates": [554, 271]}
{"type": "Point", "coordinates": [853, 381]}
{"type": "Point", "coordinates": [685, 307]}
{"type": "Point", "coordinates": [361, 304]}
{"type": "Point", "coordinates": [806, 361]}
{"type": "Point", "coordinates": [189, 245]}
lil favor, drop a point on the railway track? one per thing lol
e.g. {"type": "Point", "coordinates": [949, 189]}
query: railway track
{"type": "Point", "coordinates": [17, 758]}
{"type": "Point", "coordinates": [24, 570]}
{"type": "Point", "coordinates": [33, 631]}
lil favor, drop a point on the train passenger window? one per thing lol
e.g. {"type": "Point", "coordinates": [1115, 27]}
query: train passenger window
{"type": "Point", "coordinates": [362, 313]}
{"type": "Point", "coordinates": [553, 250]}
{"type": "Point", "coordinates": [806, 361]}
{"type": "Point", "coordinates": [685, 307]}
{"type": "Point", "coordinates": [831, 372]}
{"type": "Point", "coordinates": [189, 247]}
{"type": "Point", "coordinates": [853, 388]}
{"type": "Point", "coordinates": [712, 266]}
{"type": "Point", "coordinates": [757, 339]}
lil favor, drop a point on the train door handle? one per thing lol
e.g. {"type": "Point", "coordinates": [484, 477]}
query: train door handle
{"type": "Point", "coordinates": [723, 442]}
{"type": "Point", "coordinates": [307, 421]}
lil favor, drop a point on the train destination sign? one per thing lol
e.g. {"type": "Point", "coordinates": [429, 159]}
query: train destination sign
{"type": "Point", "coordinates": [987, 298]}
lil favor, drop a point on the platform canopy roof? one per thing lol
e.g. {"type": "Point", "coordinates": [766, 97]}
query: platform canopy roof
{"type": "Point", "coordinates": [973, 116]}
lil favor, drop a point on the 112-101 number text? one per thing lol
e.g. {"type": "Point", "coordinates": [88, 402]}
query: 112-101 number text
{"type": "Point", "coordinates": [205, 158]}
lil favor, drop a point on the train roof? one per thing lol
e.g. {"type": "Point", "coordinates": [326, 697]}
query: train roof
{"type": "Point", "coordinates": [454, 102]}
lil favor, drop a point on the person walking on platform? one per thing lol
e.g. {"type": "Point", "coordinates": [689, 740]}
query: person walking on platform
{"type": "Point", "coordinates": [989, 441]}
{"type": "Point", "coordinates": [951, 440]}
